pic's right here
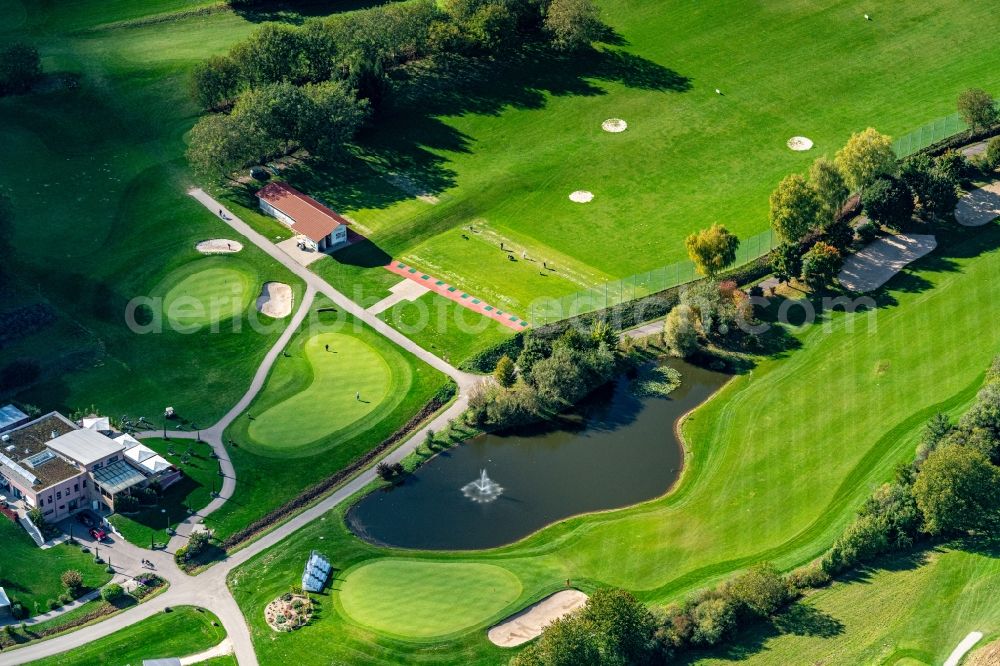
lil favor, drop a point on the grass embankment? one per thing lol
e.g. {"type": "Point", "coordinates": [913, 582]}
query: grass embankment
{"type": "Point", "coordinates": [763, 481]}
{"type": "Point", "coordinates": [906, 611]}
{"type": "Point", "coordinates": [31, 575]}
{"type": "Point", "coordinates": [184, 631]}
{"type": "Point", "coordinates": [504, 145]}
{"type": "Point", "coordinates": [192, 491]}
{"type": "Point", "coordinates": [307, 423]}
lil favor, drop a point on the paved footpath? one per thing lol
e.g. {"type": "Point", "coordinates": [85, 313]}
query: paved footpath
{"type": "Point", "coordinates": [208, 589]}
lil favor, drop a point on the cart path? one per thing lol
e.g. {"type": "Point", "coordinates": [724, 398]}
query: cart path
{"type": "Point", "coordinates": [209, 589]}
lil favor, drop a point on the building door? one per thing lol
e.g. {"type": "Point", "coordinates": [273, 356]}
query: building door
{"type": "Point", "coordinates": [72, 505]}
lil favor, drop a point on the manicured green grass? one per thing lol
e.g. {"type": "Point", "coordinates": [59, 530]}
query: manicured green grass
{"type": "Point", "coordinates": [917, 611]}
{"type": "Point", "coordinates": [349, 380]}
{"type": "Point", "coordinates": [444, 327]}
{"type": "Point", "coordinates": [505, 149]}
{"type": "Point", "coordinates": [192, 491]}
{"type": "Point", "coordinates": [357, 271]}
{"type": "Point", "coordinates": [416, 607]}
{"type": "Point", "coordinates": [777, 463]}
{"type": "Point", "coordinates": [207, 291]}
{"type": "Point", "coordinates": [272, 470]}
{"type": "Point", "coordinates": [183, 631]}
{"type": "Point", "coordinates": [100, 185]}
{"type": "Point", "coordinates": [31, 575]}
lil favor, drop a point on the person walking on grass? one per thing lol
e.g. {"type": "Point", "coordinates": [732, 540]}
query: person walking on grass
{"type": "Point", "coordinates": [357, 396]}
{"type": "Point", "coordinates": [328, 347]}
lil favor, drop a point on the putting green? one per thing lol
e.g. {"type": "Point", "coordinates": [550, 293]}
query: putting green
{"type": "Point", "coordinates": [413, 599]}
{"type": "Point", "coordinates": [206, 291]}
{"type": "Point", "coordinates": [342, 366]}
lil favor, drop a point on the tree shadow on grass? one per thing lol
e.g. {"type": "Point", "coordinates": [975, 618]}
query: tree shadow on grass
{"type": "Point", "coordinates": [297, 12]}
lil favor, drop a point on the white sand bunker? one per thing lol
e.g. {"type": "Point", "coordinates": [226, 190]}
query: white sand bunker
{"type": "Point", "coordinates": [528, 624]}
{"type": "Point", "coordinates": [219, 246]}
{"type": "Point", "coordinates": [275, 300]}
{"type": "Point", "coordinates": [614, 125]}
{"type": "Point", "coordinates": [873, 266]}
{"type": "Point", "coordinates": [581, 196]}
{"type": "Point", "coordinates": [800, 143]}
{"type": "Point", "coordinates": [979, 206]}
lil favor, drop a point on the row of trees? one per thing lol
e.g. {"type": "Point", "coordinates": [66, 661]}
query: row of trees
{"type": "Point", "coordinates": [331, 74]}
{"type": "Point", "coordinates": [20, 68]}
{"type": "Point", "coordinates": [547, 377]}
{"type": "Point", "coordinates": [951, 489]}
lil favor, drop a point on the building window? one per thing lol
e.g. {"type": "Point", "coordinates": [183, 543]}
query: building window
{"type": "Point", "coordinates": [76, 487]}
{"type": "Point", "coordinates": [62, 506]}
{"type": "Point", "coordinates": [112, 459]}
{"type": "Point", "coordinates": [97, 465]}
{"type": "Point", "coordinates": [85, 483]}
{"type": "Point", "coordinates": [58, 494]}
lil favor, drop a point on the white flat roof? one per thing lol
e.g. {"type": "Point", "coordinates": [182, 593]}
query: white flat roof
{"type": "Point", "coordinates": [146, 458]}
{"type": "Point", "coordinates": [4, 601]}
{"type": "Point", "coordinates": [84, 446]}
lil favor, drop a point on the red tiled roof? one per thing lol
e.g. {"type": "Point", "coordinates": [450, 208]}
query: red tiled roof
{"type": "Point", "coordinates": [311, 218]}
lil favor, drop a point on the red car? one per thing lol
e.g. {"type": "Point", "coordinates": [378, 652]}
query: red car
{"type": "Point", "coordinates": [98, 533]}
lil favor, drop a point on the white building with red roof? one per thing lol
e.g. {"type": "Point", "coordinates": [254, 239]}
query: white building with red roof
{"type": "Point", "coordinates": [304, 215]}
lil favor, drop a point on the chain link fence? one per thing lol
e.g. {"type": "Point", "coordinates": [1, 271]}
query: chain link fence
{"type": "Point", "coordinates": [932, 132]}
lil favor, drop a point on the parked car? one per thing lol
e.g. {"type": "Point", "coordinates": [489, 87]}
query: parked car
{"type": "Point", "coordinates": [98, 533]}
{"type": "Point", "coordinates": [84, 518]}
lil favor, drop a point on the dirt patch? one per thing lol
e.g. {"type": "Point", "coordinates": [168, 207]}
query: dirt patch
{"type": "Point", "coordinates": [288, 612]}
{"type": "Point", "coordinates": [979, 206]}
{"type": "Point", "coordinates": [219, 246]}
{"type": "Point", "coordinates": [275, 300]}
{"type": "Point", "coordinates": [875, 265]}
{"type": "Point", "coordinates": [529, 623]}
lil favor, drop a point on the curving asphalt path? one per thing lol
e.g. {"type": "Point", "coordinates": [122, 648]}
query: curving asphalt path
{"type": "Point", "coordinates": [209, 589]}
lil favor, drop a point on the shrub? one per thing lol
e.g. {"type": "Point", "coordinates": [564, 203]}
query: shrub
{"type": "Point", "coordinates": [126, 504]}
{"type": "Point", "coordinates": [978, 108]}
{"type": "Point", "coordinates": [65, 599]}
{"type": "Point", "coordinates": [761, 590]}
{"type": "Point", "coordinates": [713, 618]}
{"type": "Point", "coordinates": [867, 232]}
{"type": "Point", "coordinates": [505, 373]}
{"type": "Point", "coordinates": [957, 489]}
{"type": "Point", "coordinates": [384, 471]}
{"type": "Point", "coordinates": [810, 576]}
{"type": "Point", "coordinates": [18, 610]}
{"type": "Point", "coordinates": [680, 332]}
{"type": "Point", "coordinates": [53, 604]}
{"type": "Point", "coordinates": [72, 580]}
{"type": "Point", "coordinates": [111, 592]}
{"type": "Point", "coordinates": [992, 155]}
{"type": "Point", "coordinates": [820, 265]}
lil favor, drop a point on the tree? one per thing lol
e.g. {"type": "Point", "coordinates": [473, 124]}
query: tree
{"type": "Point", "coordinates": [20, 68]}
{"type": "Point", "coordinates": [219, 145]}
{"type": "Point", "coordinates": [566, 641]}
{"type": "Point", "coordinates": [505, 373]}
{"type": "Point", "coordinates": [622, 625]}
{"type": "Point", "coordinates": [820, 265]}
{"type": "Point", "coordinates": [957, 489]}
{"type": "Point", "coordinates": [864, 157]}
{"type": "Point", "coordinates": [888, 201]}
{"type": "Point", "coordinates": [573, 24]}
{"type": "Point", "coordinates": [761, 589]}
{"type": "Point", "coordinates": [111, 592]}
{"type": "Point", "coordinates": [332, 116]}
{"type": "Point", "coordinates": [931, 182]}
{"type": "Point", "coordinates": [37, 518]}
{"type": "Point", "coordinates": [215, 82]}
{"type": "Point", "coordinates": [72, 580]}
{"type": "Point", "coordinates": [831, 190]}
{"type": "Point", "coordinates": [274, 53]}
{"type": "Point", "coordinates": [603, 332]}
{"type": "Point", "coordinates": [713, 619]}
{"type": "Point", "coordinates": [991, 158]}
{"type": "Point", "coordinates": [795, 208]}
{"type": "Point", "coordinates": [712, 249]}
{"type": "Point", "coordinates": [978, 108]}
{"type": "Point", "coordinates": [680, 332]}
{"type": "Point", "coordinates": [197, 542]}
{"type": "Point", "coordinates": [788, 261]}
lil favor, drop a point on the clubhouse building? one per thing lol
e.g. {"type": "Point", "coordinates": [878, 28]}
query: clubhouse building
{"type": "Point", "coordinates": [60, 467]}
{"type": "Point", "coordinates": [304, 215]}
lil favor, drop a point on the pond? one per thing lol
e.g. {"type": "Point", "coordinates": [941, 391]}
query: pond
{"type": "Point", "coordinates": [613, 450]}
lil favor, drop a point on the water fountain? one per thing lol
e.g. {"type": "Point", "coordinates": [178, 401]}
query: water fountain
{"type": "Point", "coordinates": [482, 490]}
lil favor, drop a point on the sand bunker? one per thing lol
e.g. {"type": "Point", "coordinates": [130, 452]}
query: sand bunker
{"type": "Point", "coordinates": [979, 207]}
{"type": "Point", "coordinates": [219, 246]}
{"type": "Point", "coordinates": [581, 196]}
{"type": "Point", "coordinates": [528, 624]}
{"type": "Point", "coordinates": [275, 300]}
{"type": "Point", "coordinates": [873, 266]}
{"type": "Point", "coordinates": [614, 125]}
{"type": "Point", "coordinates": [800, 143]}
